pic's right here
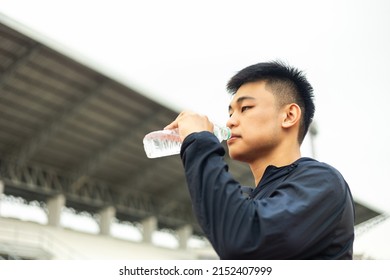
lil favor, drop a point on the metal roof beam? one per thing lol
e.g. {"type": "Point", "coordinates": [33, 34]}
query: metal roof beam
{"type": "Point", "coordinates": [28, 149]}
{"type": "Point", "coordinates": [86, 168]}
{"type": "Point", "coordinates": [20, 62]}
{"type": "Point", "coordinates": [47, 183]}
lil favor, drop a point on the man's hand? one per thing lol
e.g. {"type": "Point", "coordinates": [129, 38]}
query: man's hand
{"type": "Point", "coordinates": [188, 122]}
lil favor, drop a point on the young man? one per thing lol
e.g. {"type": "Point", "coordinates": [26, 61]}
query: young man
{"type": "Point", "coordinates": [300, 208]}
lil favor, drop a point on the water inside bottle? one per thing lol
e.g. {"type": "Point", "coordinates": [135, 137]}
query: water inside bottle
{"type": "Point", "coordinates": [162, 143]}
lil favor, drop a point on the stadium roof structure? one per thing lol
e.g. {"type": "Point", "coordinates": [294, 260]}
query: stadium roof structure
{"type": "Point", "coordinates": [66, 128]}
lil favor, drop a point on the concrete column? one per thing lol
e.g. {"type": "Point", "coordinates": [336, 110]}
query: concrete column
{"type": "Point", "coordinates": [107, 215]}
{"type": "Point", "coordinates": [54, 206]}
{"type": "Point", "coordinates": [1, 191]}
{"type": "Point", "coordinates": [1, 187]}
{"type": "Point", "coordinates": [149, 226]}
{"type": "Point", "coordinates": [184, 233]}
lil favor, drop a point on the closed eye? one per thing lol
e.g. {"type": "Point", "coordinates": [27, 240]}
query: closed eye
{"type": "Point", "coordinates": [244, 108]}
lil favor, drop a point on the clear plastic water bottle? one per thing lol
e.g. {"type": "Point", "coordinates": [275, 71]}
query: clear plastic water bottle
{"type": "Point", "coordinates": [163, 143]}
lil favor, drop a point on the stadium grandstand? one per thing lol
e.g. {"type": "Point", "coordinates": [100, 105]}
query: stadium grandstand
{"type": "Point", "coordinates": [71, 138]}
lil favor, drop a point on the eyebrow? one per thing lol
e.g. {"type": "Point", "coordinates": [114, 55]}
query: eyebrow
{"type": "Point", "coordinates": [241, 99]}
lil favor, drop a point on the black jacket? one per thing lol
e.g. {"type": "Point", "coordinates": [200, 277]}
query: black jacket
{"type": "Point", "coordinates": [300, 211]}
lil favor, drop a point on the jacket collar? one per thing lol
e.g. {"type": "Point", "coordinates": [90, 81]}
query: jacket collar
{"type": "Point", "coordinates": [273, 173]}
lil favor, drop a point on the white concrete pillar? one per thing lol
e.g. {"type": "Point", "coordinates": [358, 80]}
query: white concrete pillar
{"type": "Point", "coordinates": [149, 226]}
{"type": "Point", "coordinates": [184, 233]}
{"type": "Point", "coordinates": [107, 216]}
{"type": "Point", "coordinates": [54, 206]}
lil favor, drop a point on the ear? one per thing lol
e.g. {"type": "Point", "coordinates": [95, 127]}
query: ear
{"type": "Point", "coordinates": [291, 115]}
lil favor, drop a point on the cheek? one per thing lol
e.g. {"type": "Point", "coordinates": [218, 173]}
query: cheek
{"type": "Point", "coordinates": [263, 134]}
{"type": "Point", "coordinates": [264, 123]}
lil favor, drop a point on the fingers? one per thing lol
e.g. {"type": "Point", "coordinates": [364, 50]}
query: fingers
{"type": "Point", "coordinates": [172, 125]}
{"type": "Point", "coordinates": [175, 123]}
{"type": "Point", "coordinates": [188, 122]}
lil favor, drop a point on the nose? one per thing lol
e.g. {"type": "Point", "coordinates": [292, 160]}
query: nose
{"type": "Point", "coordinates": [232, 121]}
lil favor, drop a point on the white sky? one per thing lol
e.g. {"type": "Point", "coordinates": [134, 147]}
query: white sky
{"type": "Point", "coordinates": [182, 53]}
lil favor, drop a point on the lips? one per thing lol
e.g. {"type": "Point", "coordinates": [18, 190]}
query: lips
{"type": "Point", "coordinates": [233, 138]}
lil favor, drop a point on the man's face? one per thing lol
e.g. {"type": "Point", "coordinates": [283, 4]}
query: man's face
{"type": "Point", "coordinates": [255, 120]}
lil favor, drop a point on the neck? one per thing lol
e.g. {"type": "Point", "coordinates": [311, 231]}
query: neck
{"type": "Point", "coordinates": [278, 158]}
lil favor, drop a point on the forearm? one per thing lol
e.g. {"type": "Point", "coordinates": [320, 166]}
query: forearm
{"type": "Point", "coordinates": [217, 198]}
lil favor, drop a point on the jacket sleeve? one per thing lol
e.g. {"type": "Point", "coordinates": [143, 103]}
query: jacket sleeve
{"type": "Point", "coordinates": [294, 218]}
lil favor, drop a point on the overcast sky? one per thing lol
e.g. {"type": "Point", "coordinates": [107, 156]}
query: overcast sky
{"type": "Point", "coordinates": [182, 53]}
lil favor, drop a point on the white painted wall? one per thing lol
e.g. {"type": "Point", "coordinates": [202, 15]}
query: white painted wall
{"type": "Point", "coordinates": [69, 244]}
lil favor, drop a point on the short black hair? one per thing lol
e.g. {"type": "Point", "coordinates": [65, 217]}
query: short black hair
{"type": "Point", "coordinates": [287, 83]}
